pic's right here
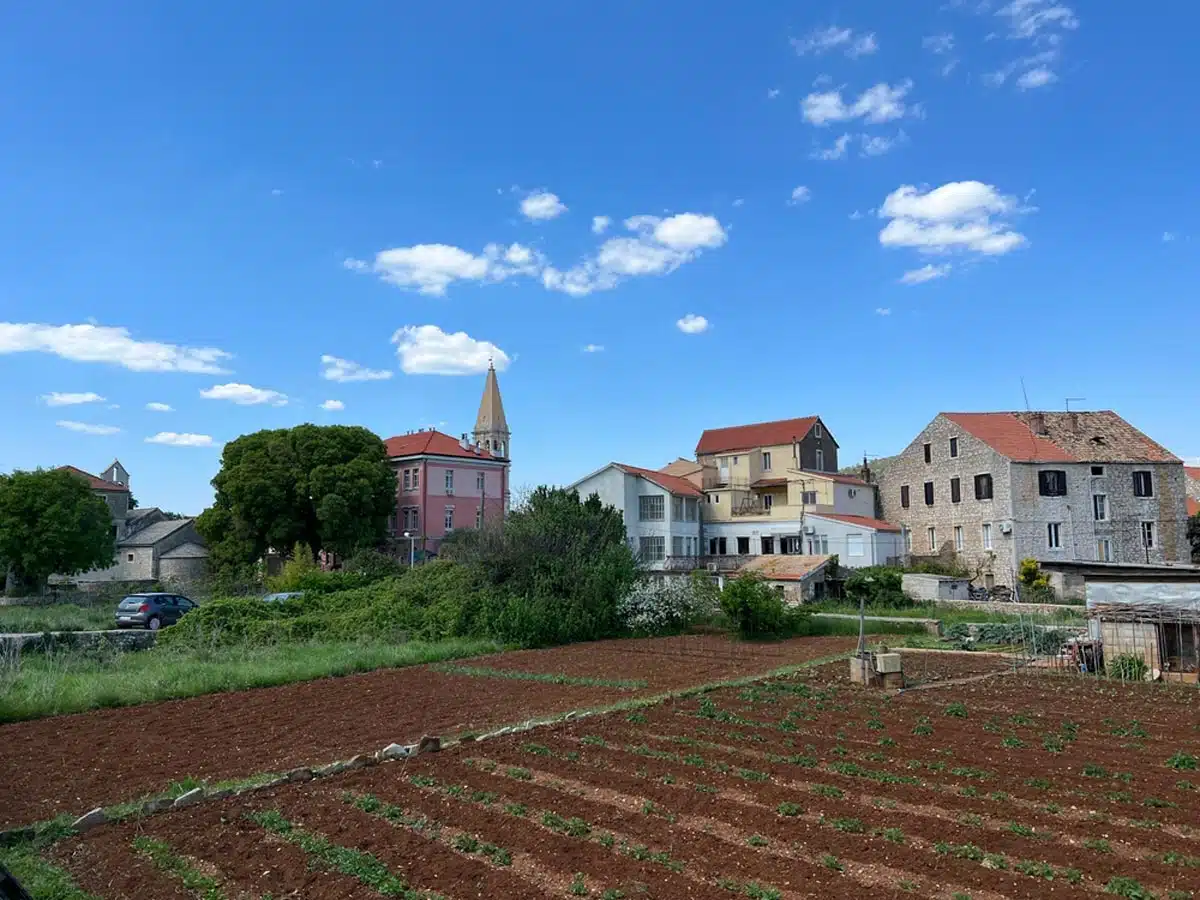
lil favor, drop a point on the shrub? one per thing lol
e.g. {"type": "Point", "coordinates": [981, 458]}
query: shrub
{"type": "Point", "coordinates": [757, 610]}
{"type": "Point", "coordinates": [880, 586]}
{"type": "Point", "coordinates": [1128, 667]}
{"type": "Point", "coordinates": [665, 607]}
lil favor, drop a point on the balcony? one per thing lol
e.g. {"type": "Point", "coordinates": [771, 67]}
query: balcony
{"type": "Point", "coordinates": [723, 563]}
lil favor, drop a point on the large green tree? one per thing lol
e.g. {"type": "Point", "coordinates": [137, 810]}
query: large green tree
{"type": "Point", "coordinates": [327, 487]}
{"type": "Point", "coordinates": [51, 523]}
{"type": "Point", "coordinates": [1193, 533]}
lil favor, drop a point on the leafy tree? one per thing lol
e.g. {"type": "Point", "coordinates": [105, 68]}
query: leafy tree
{"type": "Point", "coordinates": [757, 610]}
{"type": "Point", "coordinates": [553, 574]}
{"type": "Point", "coordinates": [1193, 534]}
{"type": "Point", "coordinates": [881, 586]}
{"type": "Point", "coordinates": [327, 487]}
{"type": "Point", "coordinates": [51, 523]}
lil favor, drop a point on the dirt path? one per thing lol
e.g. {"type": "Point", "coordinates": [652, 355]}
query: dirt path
{"type": "Point", "coordinates": [73, 763]}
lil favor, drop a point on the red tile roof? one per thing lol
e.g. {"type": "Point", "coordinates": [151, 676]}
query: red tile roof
{"type": "Point", "coordinates": [1100, 436]}
{"type": "Point", "coordinates": [1192, 472]}
{"type": "Point", "coordinates": [672, 483]}
{"type": "Point", "coordinates": [97, 483]}
{"type": "Point", "coordinates": [1193, 507]}
{"type": "Point", "coordinates": [746, 437]}
{"type": "Point", "coordinates": [860, 521]}
{"type": "Point", "coordinates": [433, 443]}
{"type": "Point", "coordinates": [785, 567]}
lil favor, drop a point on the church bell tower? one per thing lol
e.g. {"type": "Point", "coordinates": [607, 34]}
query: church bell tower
{"type": "Point", "coordinates": [491, 428]}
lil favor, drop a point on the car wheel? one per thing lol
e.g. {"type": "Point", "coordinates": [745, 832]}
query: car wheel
{"type": "Point", "coordinates": [154, 624]}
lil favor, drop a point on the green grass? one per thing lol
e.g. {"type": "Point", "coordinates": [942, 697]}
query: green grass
{"type": "Point", "coordinates": [952, 615]}
{"type": "Point", "coordinates": [170, 862]}
{"type": "Point", "coordinates": [544, 677]}
{"type": "Point", "coordinates": [57, 617]}
{"type": "Point", "coordinates": [59, 683]}
{"type": "Point", "coordinates": [43, 880]}
{"type": "Point", "coordinates": [821, 627]}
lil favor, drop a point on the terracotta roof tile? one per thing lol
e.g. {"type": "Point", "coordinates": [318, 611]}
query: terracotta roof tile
{"type": "Point", "coordinates": [1100, 436]}
{"type": "Point", "coordinates": [784, 567]}
{"type": "Point", "coordinates": [434, 443]}
{"type": "Point", "coordinates": [1193, 507]}
{"type": "Point", "coordinates": [672, 483]}
{"type": "Point", "coordinates": [746, 437]}
{"type": "Point", "coordinates": [97, 483]}
{"type": "Point", "coordinates": [1192, 472]}
{"type": "Point", "coordinates": [860, 521]}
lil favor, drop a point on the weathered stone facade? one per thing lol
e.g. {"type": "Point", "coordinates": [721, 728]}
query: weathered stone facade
{"type": "Point", "coordinates": [1023, 523]}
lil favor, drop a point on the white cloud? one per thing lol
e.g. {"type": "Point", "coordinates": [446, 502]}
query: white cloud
{"type": "Point", "coordinates": [739, 202]}
{"type": "Point", "coordinates": [159, 407]}
{"type": "Point", "coordinates": [1168, 236]}
{"type": "Point", "coordinates": [427, 350]}
{"type": "Point", "coordinates": [800, 194]}
{"type": "Point", "coordinates": [855, 216]}
{"type": "Point", "coordinates": [837, 151]}
{"type": "Point", "coordinates": [1039, 20]}
{"type": "Point", "coordinates": [85, 428]}
{"type": "Point", "coordinates": [878, 145]}
{"type": "Point", "coordinates": [938, 43]}
{"type": "Point", "coordinates": [104, 344]}
{"type": "Point", "coordinates": [822, 40]}
{"type": "Point", "coordinates": [957, 216]}
{"type": "Point", "coordinates": [692, 324]}
{"type": "Point", "coordinates": [276, 192]}
{"type": "Point", "coordinates": [541, 206]}
{"type": "Point", "coordinates": [431, 268]}
{"type": "Point", "coordinates": [1023, 64]}
{"type": "Point", "coordinates": [600, 224]}
{"type": "Point", "coordinates": [1036, 78]}
{"type": "Point", "coordinates": [772, 93]}
{"type": "Point", "coordinates": [659, 246]}
{"type": "Point", "coordinates": [877, 104]}
{"type": "Point", "coordinates": [949, 67]}
{"type": "Point", "coordinates": [175, 439]}
{"type": "Point", "coordinates": [883, 311]}
{"type": "Point", "coordinates": [244, 395]}
{"type": "Point", "coordinates": [593, 348]}
{"type": "Point", "coordinates": [343, 370]}
{"type": "Point", "coordinates": [355, 265]}
{"type": "Point", "coordinates": [333, 405]}
{"type": "Point", "coordinates": [927, 272]}
{"type": "Point", "coordinates": [54, 398]}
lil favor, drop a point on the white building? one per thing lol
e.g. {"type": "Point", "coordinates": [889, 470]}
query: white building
{"type": "Point", "coordinates": [856, 540]}
{"type": "Point", "coordinates": [662, 512]}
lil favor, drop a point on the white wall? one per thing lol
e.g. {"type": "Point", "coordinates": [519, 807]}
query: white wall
{"type": "Point", "coordinates": [877, 546]}
{"type": "Point", "coordinates": [854, 500]}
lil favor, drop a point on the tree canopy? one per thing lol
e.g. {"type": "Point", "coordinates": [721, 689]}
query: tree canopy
{"type": "Point", "coordinates": [326, 487]}
{"type": "Point", "coordinates": [51, 523]}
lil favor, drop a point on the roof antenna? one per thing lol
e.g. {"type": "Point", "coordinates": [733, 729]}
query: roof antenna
{"type": "Point", "coordinates": [1025, 393]}
{"type": "Point", "coordinates": [1076, 400]}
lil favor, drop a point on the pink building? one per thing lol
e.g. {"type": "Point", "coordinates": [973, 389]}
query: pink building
{"type": "Point", "coordinates": [445, 483]}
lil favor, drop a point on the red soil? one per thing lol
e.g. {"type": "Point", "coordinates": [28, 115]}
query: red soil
{"type": "Point", "coordinates": [74, 763]}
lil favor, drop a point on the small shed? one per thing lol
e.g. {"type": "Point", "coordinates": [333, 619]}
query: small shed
{"type": "Point", "coordinates": [801, 578]}
{"type": "Point", "coordinates": [1158, 623]}
{"type": "Point", "coordinates": [935, 587]}
{"type": "Point", "coordinates": [184, 563]}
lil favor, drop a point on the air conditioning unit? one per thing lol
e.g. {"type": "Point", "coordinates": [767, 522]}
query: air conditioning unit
{"type": "Point", "coordinates": [1006, 527]}
{"type": "Point", "coordinates": [809, 529]}
{"type": "Point", "coordinates": [713, 567]}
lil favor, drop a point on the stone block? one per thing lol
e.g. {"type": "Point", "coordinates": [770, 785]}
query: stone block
{"type": "Point", "coordinates": [429, 744]}
{"type": "Point", "coordinates": [394, 751]}
{"type": "Point", "coordinates": [302, 774]}
{"type": "Point", "coordinates": [157, 805]}
{"type": "Point", "coordinates": [90, 820]}
{"type": "Point", "coordinates": [195, 795]}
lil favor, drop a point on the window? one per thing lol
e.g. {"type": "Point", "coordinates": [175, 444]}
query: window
{"type": "Point", "coordinates": [735, 459]}
{"type": "Point", "coordinates": [693, 509]}
{"type": "Point", "coordinates": [448, 520]}
{"type": "Point", "coordinates": [820, 460]}
{"type": "Point", "coordinates": [677, 509]}
{"type": "Point", "coordinates": [651, 508]}
{"type": "Point", "coordinates": [743, 546]}
{"type": "Point", "coordinates": [415, 525]}
{"type": "Point", "coordinates": [955, 490]}
{"type": "Point", "coordinates": [907, 541]}
{"type": "Point", "coordinates": [983, 487]}
{"type": "Point", "coordinates": [653, 548]}
{"type": "Point", "coordinates": [1104, 550]}
{"type": "Point", "coordinates": [854, 545]}
{"type": "Point", "coordinates": [1097, 470]}
{"type": "Point", "coordinates": [987, 535]}
{"type": "Point", "coordinates": [817, 430]}
{"type": "Point", "coordinates": [904, 495]}
{"type": "Point", "coordinates": [953, 447]}
{"type": "Point", "coordinates": [416, 480]}
{"type": "Point", "coordinates": [677, 545]}
{"type": "Point", "coordinates": [931, 533]}
{"type": "Point", "coordinates": [1148, 535]}
{"type": "Point", "coordinates": [929, 493]}
{"type": "Point", "coordinates": [391, 525]}
{"type": "Point", "coordinates": [449, 482]}
{"type": "Point", "coordinates": [794, 544]}
{"type": "Point", "coordinates": [768, 500]}
{"type": "Point", "coordinates": [1054, 535]}
{"type": "Point", "coordinates": [766, 461]}
{"type": "Point", "coordinates": [716, 546]}
{"type": "Point", "coordinates": [408, 479]}
{"type": "Point", "coordinates": [768, 546]}
{"type": "Point", "coordinates": [929, 453]}
{"type": "Point", "coordinates": [129, 557]}
{"type": "Point", "coordinates": [479, 482]}
{"type": "Point", "coordinates": [1100, 507]}
{"type": "Point", "coordinates": [1143, 486]}
{"type": "Point", "coordinates": [1052, 483]}
{"type": "Point", "coordinates": [479, 516]}
{"type": "Point", "coordinates": [808, 498]}
{"type": "Point", "coordinates": [959, 543]}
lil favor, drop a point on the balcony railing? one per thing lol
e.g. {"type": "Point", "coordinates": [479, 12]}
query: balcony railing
{"type": "Point", "coordinates": [722, 563]}
{"type": "Point", "coordinates": [752, 511]}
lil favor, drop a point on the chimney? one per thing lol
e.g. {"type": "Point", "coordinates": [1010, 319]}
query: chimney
{"type": "Point", "coordinates": [866, 470]}
{"type": "Point", "coordinates": [1037, 423]}
{"type": "Point", "coordinates": [1073, 420]}
{"type": "Point", "coordinates": [464, 443]}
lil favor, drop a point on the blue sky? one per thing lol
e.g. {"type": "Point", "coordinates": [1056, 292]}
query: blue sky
{"type": "Point", "coordinates": [219, 195]}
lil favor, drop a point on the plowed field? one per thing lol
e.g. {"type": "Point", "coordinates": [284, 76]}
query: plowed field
{"type": "Point", "coordinates": [73, 763]}
{"type": "Point", "coordinates": [1023, 786]}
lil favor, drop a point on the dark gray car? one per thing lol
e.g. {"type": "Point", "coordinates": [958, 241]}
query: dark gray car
{"type": "Point", "coordinates": [152, 611]}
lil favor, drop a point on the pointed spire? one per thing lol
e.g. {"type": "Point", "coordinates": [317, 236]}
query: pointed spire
{"type": "Point", "coordinates": [491, 427]}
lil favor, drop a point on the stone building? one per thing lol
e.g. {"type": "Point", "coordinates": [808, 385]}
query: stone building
{"type": "Point", "coordinates": [992, 489]}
